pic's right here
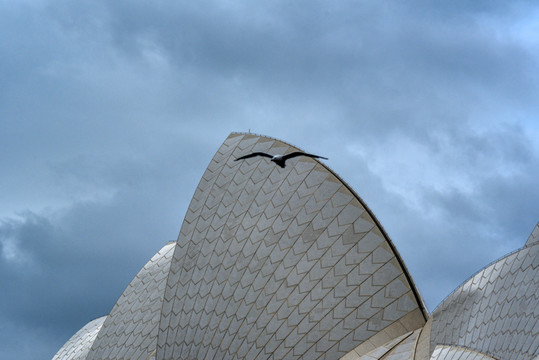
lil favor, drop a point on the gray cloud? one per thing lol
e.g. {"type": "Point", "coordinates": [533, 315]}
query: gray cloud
{"type": "Point", "coordinates": [110, 111]}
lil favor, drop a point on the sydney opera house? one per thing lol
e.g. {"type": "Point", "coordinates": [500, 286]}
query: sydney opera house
{"type": "Point", "coordinates": [289, 263]}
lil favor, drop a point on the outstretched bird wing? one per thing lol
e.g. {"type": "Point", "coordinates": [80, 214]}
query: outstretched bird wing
{"type": "Point", "coordinates": [300, 153]}
{"type": "Point", "coordinates": [253, 155]}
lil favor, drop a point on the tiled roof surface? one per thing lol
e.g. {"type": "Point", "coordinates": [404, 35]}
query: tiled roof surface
{"type": "Point", "coordinates": [278, 263]}
{"type": "Point", "coordinates": [130, 331]}
{"type": "Point", "coordinates": [496, 312]}
{"type": "Point", "coordinates": [78, 346]}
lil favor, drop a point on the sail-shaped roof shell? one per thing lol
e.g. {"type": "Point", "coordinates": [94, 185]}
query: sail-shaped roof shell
{"type": "Point", "coordinates": [282, 263]}
{"type": "Point", "coordinates": [290, 263]}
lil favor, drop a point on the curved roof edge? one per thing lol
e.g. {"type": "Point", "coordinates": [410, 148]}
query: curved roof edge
{"type": "Point", "coordinates": [415, 290]}
{"type": "Point", "coordinates": [533, 239]}
{"type": "Point", "coordinates": [79, 345]}
{"type": "Point", "coordinates": [534, 236]}
{"type": "Point", "coordinates": [492, 306]}
{"type": "Point", "coordinates": [472, 276]}
{"type": "Point", "coordinates": [132, 324]}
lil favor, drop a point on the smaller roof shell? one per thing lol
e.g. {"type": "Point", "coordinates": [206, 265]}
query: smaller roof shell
{"type": "Point", "coordinates": [130, 331]}
{"type": "Point", "coordinates": [78, 346]}
{"type": "Point", "coordinates": [496, 311]}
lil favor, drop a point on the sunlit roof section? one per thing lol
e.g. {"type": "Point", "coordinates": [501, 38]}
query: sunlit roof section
{"type": "Point", "coordinates": [281, 262]}
{"type": "Point", "coordinates": [446, 352]}
{"type": "Point", "coordinates": [495, 312]}
{"type": "Point", "coordinates": [130, 331]}
{"type": "Point", "coordinates": [289, 263]}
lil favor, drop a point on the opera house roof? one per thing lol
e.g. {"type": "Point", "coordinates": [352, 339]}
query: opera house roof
{"type": "Point", "coordinates": [290, 263]}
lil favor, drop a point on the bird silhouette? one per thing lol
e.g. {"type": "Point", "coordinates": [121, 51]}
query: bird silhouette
{"type": "Point", "coordinates": [280, 159]}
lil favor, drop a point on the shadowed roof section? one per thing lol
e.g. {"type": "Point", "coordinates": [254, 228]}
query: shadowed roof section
{"type": "Point", "coordinates": [283, 263]}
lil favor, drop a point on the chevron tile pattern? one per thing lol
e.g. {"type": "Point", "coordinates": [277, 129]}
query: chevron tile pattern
{"type": "Point", "coordinates": [278, 263]}
{"type": "Point", "coordinates": [275, 263]}
{"type": "Point", "coordinates": [130, 330]}
{"type": "Point", "coordinates": [79, 345]}
{"type": "Point", "coordinates": [495, 312]}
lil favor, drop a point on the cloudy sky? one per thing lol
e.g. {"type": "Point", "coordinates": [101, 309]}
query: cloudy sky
{"type": "Point", "coordinates": [111, 110]}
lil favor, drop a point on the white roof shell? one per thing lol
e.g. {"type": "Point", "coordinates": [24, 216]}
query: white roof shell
{"type": "Point", "coordinates": [290, 263]}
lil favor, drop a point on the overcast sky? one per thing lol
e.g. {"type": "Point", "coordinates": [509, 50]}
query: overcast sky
{"type": "Point", "coordinates": [111, 110]}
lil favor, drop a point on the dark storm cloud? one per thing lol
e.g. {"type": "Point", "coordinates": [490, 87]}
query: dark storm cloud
{"type": "Point", "coordinates": [63, 266]}
{"type": "Point", "coordinates": [110, 111]}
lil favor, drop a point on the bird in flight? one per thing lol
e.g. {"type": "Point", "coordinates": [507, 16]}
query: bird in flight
{"type": "Point", "coordinates": [280, 159]}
